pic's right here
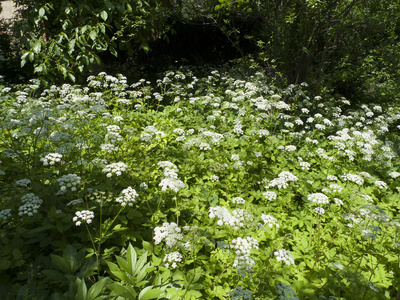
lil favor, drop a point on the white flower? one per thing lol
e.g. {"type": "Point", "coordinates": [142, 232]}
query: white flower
{"type": "Point", "coordinates": [129, 197]}
{"type": "Point", "coordinates": [318, 198]}
{"type": "Point", "coordinates": [214, 178]}
{"type": "Point", "coordinates": [238, 200]}
{"type": "Point", "coordinates": [394, 175]}
{"type": "Point", "coordinates": [243, 246]}
{"type": "Point", "coordinates": [174, 258]}
{"type": "Point", "coordinates": [304, 165]}
{"type": "Point", "coordinates": [68, 181]}
{"type": "Point", "coordinates": [172, 183]}
{"type": "Point", "coordinates": [23, 182]}
{"type": "Point", "coordinates": [115, 169]}
{"type": "Point", "coordinates": [380, 184]}
{"type": "Point", "coordinates": [144, 185]}
{"type": "Point", "coordinates": [269, 220]}
{"type": "Point", "coordinates": [319, 210]}
{"type": "Point", "coordinates": [83, 215]}
{"type": "Point", "coordinates": [353, 178]}
{"type": "Point", "coordinates": [170, 232]}
{"type": "Point", "coordinates": [51, 159]}
{"type": "Point", "coordinates": [269, 195]}
{"type": "Point", "coordinates": [235, 157]}
{"type": "Point", "coordinates": [338, 201]}
{"type": "Point", "coordinates": [239, 218]}
{"type": "Point", "coordinates": [5, 214]}
{"type": "Point", "coordinates": [336, 188]}
{"type": "Point", "coordinates": [285, 256]}
{"type": "Point", "coordinates": [30, 205]}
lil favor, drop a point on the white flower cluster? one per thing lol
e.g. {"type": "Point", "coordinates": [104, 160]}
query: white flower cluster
{"type": "Point", "coordinates": [214, 178]}
{"type": "Point", "coordinates": [30, 205]}
{"type": "Point", "coordinates": [285, 292]}
{"type": "Point", "coordinates": [115, 168]}
{"type": "Point", "coordinates": [380, 184]}
{"type": "Point", "coordinates": [110, 148]}
{"type": "Point", "coordinates": [243, 246]}
{"type": "Point", "coordinates": [394, 175]}
{"type": "Point", "coordinates": [172, 258]}
{"type": "Point", "coordinates": [240, 294]}
{"type": "Point", "coordinates": [170, 232]}
{"type": "Point", "coordinates": [332, 178]}
{"type": "Point", "coordinates": [129, 197]}
{"type": "Point", "coordinates": [338, 201]}
{"type": "Point", "coordinates": [285, 256]}
{"type": "Point", "coordinates": [5, 214]}
{"type": "Point", "coordinates": [290, 148]}
{"type": "Point", "coordinates": [51, 159]}
{"type": "Point", "coordinates": [352, 219]}
{"type": "Point", "coordinates": [170, 179]}
{"type": "Point", "coordinates": [149, 133]}
{"type": "Point", "coordinates": [68, 181]}
{"type": "Point", "coordinates": [282, 180]}
{"type": "Point", "coordinates": [172, 183]}
{"type": "Point", "coordinates": [318, 198]}
{"type": "Point", "coordinates": [353, 178]}
{"type": "Point", "coordinates": [304, 165]}
{"type": "Point", "coordinates": [319, 210]}
{"type": "Point", "coordinates": [239, 218]}
{"type": "Point", "coordinates": [371, 233]}
{"type": "Point", "coordinates": [270, 195]}
{"type": "Point", "coordinates": [83, 216]}
{"type": "Point", "coordinates": [335, 188]}
{"type": "Point", "coordinates": [23, 182]}
{"type": "Point", "coordinates": [238, 200]}
{"type": "Point", "coordinates": [270, 220]}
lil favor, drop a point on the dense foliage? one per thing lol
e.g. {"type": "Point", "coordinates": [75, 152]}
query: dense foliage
{"type": "Point", "coordinates": [237, 189]}
{"type": "Point", "coordinates": [347, 45]}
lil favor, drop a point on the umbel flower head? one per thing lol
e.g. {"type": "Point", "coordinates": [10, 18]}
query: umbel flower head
{"type": "Point", "coordinates": [170, 232]}
{"type": "Point", "coordinates": [83, 216]}
{"type": "Point", "coordinates": [128, 198]}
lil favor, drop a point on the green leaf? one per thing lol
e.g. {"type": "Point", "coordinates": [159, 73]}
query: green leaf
{"type": "Point", "coordinates": [149, 293]}
{"type": "Point", "coordinates": [37, 46]}
{"type": "Point", "coordinates": [70, 256]}
{"type": "Point", "coordinates": [104, 15]}
{"type": "Point", "coordinates": [113, 51]}
{"type": "Point", "coordinates": [82, 289]}
{"type": "Point", "coordinates": [71, 76]}
{"type": "Point", "coordinates": [131, 258]}
{"type": "Point", "coordinates": [60, 263]}
{"type": "Point", "coordinates": [96, 289]}
{"type": "Point", "coordinates": [93, 35]}
{"type": "Point", "coordinates": [16, 253]}
{"type": "Point", "coordinates": [41, 12]}
{"type": "Point", "coordinates": [121, 275]}
{"type": "Point", "coordinates": [24, 58]}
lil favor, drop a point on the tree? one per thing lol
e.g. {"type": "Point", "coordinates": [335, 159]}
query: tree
{"type": "Point", "coordinates": [66, 37]}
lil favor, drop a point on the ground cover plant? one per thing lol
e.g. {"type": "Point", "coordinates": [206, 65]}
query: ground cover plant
{"type": "Point", "coordinates": [216, 187]}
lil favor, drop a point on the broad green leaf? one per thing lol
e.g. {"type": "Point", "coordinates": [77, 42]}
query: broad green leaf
{"type": "Point", "coordinates": [96, 289]}
{"type": "Point", "coordinates": [149, 293]}
{"type": "Point", "coordinates": [93, 35]}
{"type": "Point", "coordinates": [42, 12]}
{"type": "Point", "coordinates": [104, 15]}
{"type": "Point", "coordinates": [60, 263]}
{"type": "Point", "coordinates": [81, 289]}
{"type": "Point", "coordinates": [37, 46]}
